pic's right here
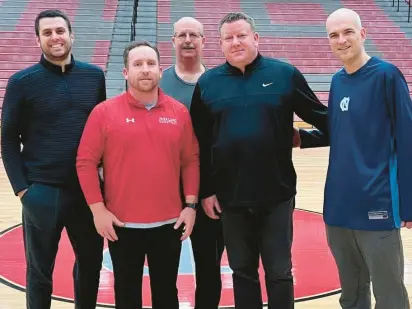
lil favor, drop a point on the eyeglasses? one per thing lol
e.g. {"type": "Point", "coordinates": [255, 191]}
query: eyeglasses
{"type": "Point", "coordinates": [192, 35]}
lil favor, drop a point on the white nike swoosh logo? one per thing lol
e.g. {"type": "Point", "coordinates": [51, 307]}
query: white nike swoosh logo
{"type": "Point", "coordinates": [265, 85]}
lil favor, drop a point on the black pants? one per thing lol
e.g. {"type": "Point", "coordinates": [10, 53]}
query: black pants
{"type": "Point", "coordinates": [207, 244]}
{"type": "Point", "coordinates": [162, 245]}
{"type": "Point", "coordinates": [266, 232]}
{"type": "Point", "coordinates": [46, 211]}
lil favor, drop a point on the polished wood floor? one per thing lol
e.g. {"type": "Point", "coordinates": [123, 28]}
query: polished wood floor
{"type": "Point", "coordinates": [311, 167]}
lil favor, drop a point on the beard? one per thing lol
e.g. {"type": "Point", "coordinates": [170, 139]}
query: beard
{"type": "Point", "coordinates": [143, 86]}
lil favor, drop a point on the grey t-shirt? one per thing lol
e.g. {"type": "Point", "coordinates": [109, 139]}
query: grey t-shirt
{"type": "Point", "coordinates": [177, 88]}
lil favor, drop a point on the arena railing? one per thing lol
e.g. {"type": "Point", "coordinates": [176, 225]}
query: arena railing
{"type": "Point", "coordinates": [134, 20]}
{"type": "Point", "coordinates": [133, 26]}
{"type": "Point", "coordinates": [409, 7]}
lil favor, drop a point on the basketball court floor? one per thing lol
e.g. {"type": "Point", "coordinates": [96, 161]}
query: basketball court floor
{"type": "Point", "coordinates": [316, 280]}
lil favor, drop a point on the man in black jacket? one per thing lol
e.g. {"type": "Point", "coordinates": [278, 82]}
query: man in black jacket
{"type": "Point", "coordinates": [242, 113]}
{"type": "Point", "coordinates": [45, 109]}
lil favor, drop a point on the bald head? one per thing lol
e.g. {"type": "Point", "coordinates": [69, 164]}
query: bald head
{"type": "Point", "coordinates": [188, 40]}
{"type": "Point", "coordinates": [344, 16]}
{"type": "Point", "coordinates": [346, 36]}
{"type": "Point", "coordinates": [188, 22]}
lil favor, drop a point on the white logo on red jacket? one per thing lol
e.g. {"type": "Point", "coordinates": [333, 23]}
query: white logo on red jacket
{"type": "Point", "coordinates": [167, 120]}
{"type": "Point", "coordinates": [129, 120]}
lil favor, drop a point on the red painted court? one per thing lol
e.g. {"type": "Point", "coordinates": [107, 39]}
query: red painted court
{"type": "Point", "coordinates": [313, 266]}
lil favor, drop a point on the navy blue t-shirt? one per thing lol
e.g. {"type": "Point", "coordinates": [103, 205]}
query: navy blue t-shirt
{"type": "Point", "coordinates": [369, 179]}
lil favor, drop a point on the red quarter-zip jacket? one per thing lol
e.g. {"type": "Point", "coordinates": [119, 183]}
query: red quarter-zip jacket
{"type": "Point", "coordinates": [143, 154]}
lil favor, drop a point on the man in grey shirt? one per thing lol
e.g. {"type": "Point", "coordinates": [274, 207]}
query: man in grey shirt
{"type": "Point", "coordinates": [178, 81]}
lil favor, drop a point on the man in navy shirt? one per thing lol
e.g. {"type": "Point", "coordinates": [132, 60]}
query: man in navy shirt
{"type": "Point", "coordinates": [368, 195]}
{"type": "Point", "coordinates": [45, 109]}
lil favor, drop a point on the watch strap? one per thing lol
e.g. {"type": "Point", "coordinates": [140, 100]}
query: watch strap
{"type": "Point", "coordinates": [191, 205]}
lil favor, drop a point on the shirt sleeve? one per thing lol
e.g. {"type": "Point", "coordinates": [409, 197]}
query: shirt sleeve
{"type": "Point", "coordinates": [102, 94]}
{"type": "Point", "coordinates": [203, 127]}
{"type": "Point", "coordinates": [89, 156]}
{"type": "Point", "coordinates": [190, 158]}
{"type": "Point", "coordinates": [308, 107]}
{"type": "Point", "coordinates": [400, 107]}
{"type": "Point", "coordinates": [12, 118]}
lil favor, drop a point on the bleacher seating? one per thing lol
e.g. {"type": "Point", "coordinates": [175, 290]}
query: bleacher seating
{"type": "Point", "coordinates": [92, 22]}
{"type": "Point", "coordinates": [294, 31]}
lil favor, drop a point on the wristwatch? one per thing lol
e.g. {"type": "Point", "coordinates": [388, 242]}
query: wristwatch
{"type": "Point", "coordinates": [191, 205]}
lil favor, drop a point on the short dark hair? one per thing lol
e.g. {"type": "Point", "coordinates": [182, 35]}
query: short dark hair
{"type": "Point", "coordinates": [134, 45]}
{"type": "Point", "coordinates": [51, 14]}
{"type": "Point", "coordinates": [235, 16]}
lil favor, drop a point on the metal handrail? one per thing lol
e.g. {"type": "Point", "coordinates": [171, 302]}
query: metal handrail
{"type": "Point", "coordinates": [134, 20]}
{"type": "Point", "coordinates": [409, 8]}
{"type": "Point", "coordinates": [133, 27]}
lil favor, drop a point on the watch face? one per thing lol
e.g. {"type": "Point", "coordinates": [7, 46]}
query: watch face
{"type": "Point", "coordinates": [191, 205]}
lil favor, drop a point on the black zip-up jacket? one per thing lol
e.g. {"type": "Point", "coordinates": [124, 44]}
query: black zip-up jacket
{"type": "Point", "coordinates": [244, 125]}
{"type": "Point", "coordinates": [45, 110]}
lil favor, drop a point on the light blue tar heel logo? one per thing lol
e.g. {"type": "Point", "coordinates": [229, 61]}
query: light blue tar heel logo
{"type": "Point", "coordinates": [344, 104]}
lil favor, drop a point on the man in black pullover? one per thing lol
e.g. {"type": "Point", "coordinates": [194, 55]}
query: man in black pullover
{"type": "Point", "coordinates": [242, 113]}
{"type": "Point", "coordinates": [45, 109]}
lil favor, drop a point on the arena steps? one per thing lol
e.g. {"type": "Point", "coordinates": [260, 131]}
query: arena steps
{"type": "Point", "coordinates": [291, 31]}
{"type": "Point", "coordinates": [93, 24]}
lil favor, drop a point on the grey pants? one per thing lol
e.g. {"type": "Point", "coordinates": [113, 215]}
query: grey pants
{"type": "Point", "coordinates": [362, 256]}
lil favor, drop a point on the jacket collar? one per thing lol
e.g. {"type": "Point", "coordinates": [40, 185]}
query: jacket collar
{"type": "Point", "coordinates": [136, 103]}
{"type": "Point", "coordinates": [56, 68]}
{"type": "Point", "coordinates": [250, 67]}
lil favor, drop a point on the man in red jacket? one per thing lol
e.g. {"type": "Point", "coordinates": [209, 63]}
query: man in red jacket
{"type": "Point", "coordinates": [146, 142]}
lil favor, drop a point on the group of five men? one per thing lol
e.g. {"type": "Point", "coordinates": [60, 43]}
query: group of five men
{"type": "Point", "coordinates": [217, 137]}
